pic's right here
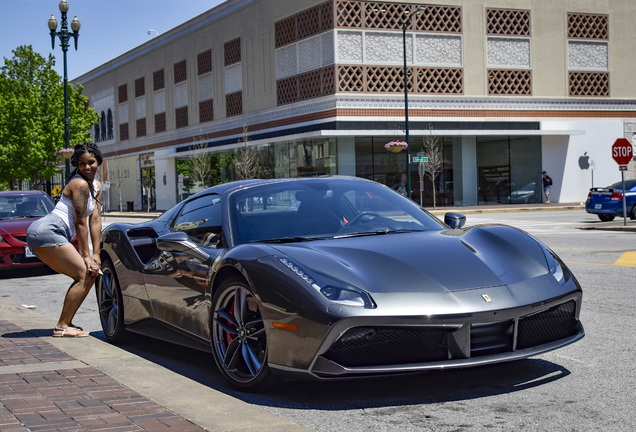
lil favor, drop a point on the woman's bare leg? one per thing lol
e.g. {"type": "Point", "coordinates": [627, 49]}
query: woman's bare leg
{"type": "Point", "coordinates": [66, 260]}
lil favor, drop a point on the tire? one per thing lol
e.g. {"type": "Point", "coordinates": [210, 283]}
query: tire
{"type": "Point", "coordinates": [606, 217]}
{"type": "Point", "coordinates": [239, 342]}
{"type": "Point", "coordinates": [110, 304]}
{"type": "Point", "coordinates": [632, 214]}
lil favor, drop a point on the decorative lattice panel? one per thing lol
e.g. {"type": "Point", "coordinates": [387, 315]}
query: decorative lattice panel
{"type": "Point", "coordinates": [122, 92]}
{"type": "Point", "coordinates": [349, 14]}
{"type": "Point", "coordinates": [386, 15]}
{"type": "Point", "coordinates": [589, 83]}
{"type": "Point", "coordinates": [232, 51]}
{"type": "Point", "coordinates": [123, 132]}
{"type": "Point", "coordinates": [204, 62]}
{"type": "Point", "coordinates": [181, 116]}
{"type": "Point", "coordinates": [160, 122]}
{"type": "Point", "coordinates": [206, 111]}
{"type": "Point", "coordinates": [234, 104]}
{"type": "Point", "coordinates": [180, 72]}
{"type": "Point", "coordinates": [350, 79]}
{"type": "Point", "coordinates": [158, 80]}
{"type": "Point", "coordinates": [308, 23]}
{"type": "Point", "coordinates": [304, 24]}
{"type": "Point", "coordinates": [507, 22]}
{"type": "Point", "coordinates": [387, 79]}
{"type": "Point", "coordinates": [588, 26]}
{"type": "Point", "coordinates": [307, 85]}
{"type": "Point", "coordinates": [442, 19]}
{"type": "Point", "coordinates": [439, 80]}
{"type": "Point", "coordinates": [509, 82]}
{"type": "Point", "coordinates": [140, 87]}
{"type": "Point", "coordinates": [285, 31]}
{"type": "Point", "coordinates": [141, 127]}
{"type": "Point", "coordinates": [287, 90]}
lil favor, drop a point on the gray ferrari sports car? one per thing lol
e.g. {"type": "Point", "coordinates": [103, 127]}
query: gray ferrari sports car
{"type": "Point", "coordinates": [332, 277]}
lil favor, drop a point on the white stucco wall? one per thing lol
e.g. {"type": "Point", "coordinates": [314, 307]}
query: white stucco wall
{"type": "Point", "coordinates": [561, 156]}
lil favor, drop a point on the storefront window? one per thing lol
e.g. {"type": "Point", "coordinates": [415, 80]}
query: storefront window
{"type": "Point", "coordinates": [509, 170]}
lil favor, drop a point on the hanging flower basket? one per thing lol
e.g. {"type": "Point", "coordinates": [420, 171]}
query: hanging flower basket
{"type": "Point", "coordinates": [65, 153]}
{"type": "Point", "coordinates": [396, 146]}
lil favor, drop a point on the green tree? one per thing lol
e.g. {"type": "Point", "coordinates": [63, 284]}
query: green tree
{"type": "Point", "coordinates": [32, 117]}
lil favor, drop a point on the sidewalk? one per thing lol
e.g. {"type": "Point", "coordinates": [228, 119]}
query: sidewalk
{"type": "Point", "coordinates": [66, 384]}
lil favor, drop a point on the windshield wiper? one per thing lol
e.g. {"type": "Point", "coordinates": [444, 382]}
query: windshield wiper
{"type": "Point", "coordinates": [286, 240]}
{"type": "Point", "coordinates": [372, 233]}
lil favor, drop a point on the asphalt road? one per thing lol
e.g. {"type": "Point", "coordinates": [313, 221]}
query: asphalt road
{"type": "Point", "coordinates": [589, 385]}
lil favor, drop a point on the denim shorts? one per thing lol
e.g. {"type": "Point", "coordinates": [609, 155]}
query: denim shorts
{"type": "Point", "coordinates": [48, 231]}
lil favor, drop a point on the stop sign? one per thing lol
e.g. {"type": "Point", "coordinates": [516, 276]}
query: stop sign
{"type": "Point", "coordinates": [622, 151]}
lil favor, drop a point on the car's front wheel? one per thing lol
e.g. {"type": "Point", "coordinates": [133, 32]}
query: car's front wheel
{"type": "Point", "coordinates": [110, 304]}
{"type": "Point", "coordinates": [606, 217]}
{"type": "Point", "coordinates": [239, 342]}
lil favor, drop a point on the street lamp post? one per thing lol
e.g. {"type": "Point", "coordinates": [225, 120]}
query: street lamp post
{"type": "Point", "coordinates": [406, 102]}
{"type": "Point", "coordinates": [65, 36]}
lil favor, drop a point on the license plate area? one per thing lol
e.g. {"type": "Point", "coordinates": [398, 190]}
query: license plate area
{"type": "Point", "coordinates": [28, 253]}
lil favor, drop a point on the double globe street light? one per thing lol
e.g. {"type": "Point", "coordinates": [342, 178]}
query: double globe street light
{"type": "Point", "coordinates": [65, 36]}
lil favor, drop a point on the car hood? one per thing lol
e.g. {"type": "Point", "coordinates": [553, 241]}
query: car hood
{"type": "Point", "coordinates": [16, 226]}
{"type": "Point", "coordinates": [437, 261]}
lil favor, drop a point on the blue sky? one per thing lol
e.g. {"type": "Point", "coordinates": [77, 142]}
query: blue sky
{"type": "Point", "coordinates": [109, 28]}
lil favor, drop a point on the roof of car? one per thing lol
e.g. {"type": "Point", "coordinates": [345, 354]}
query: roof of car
{"type": "Point", "coordinates": [21, 192]}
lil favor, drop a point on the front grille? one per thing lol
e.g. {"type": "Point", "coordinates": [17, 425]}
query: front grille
{"type": "Point", "coordinates": [21, 238]}
{"type": "Point", "coordinates": [376, 346]}
{"type": "Point", "coordinates": [556, 323]}
{"type": "Point", "coordinates": [491, 338]}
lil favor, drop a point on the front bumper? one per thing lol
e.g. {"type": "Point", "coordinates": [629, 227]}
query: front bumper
{"type": "Point", "coordinates": [364, 346]}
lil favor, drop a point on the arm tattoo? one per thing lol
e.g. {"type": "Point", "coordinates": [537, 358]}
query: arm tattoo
{"type": "Point", "coordinates": [81, 202]}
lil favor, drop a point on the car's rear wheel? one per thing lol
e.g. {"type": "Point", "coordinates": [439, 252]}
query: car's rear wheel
{"type": "Point", "coordinates": [632, 214]}
{"type": "Point", "coordinates": [606, 217]}
{"type": "Point", "coordinates": [110, 304]}
{"type": "Point", "coordinates": [239, 342]}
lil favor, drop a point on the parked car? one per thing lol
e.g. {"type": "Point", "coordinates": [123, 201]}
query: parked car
{"type": "Point", "coordinates": [18, 210]}
{"type": "Point", "coordinates": [607, 202]}
{"type": "Point", "coordinates": [332, 277]}
{"type": "Point", "coordinates": [524, 195]}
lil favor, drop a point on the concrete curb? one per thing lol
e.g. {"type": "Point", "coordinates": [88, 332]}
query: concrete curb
{"type": "Point", "coordinates": [202, 405]}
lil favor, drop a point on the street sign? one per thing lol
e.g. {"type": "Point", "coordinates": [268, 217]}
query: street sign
{"type": "Point", "coordinates": [622, 151]}
{"type": "Point", "coordinates": [419, 159]}
{"type": "Point", "coordinates": [420, 154]}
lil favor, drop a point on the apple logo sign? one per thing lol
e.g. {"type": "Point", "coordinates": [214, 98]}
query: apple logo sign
{"type": "Point", "coordinates": [584, 161]}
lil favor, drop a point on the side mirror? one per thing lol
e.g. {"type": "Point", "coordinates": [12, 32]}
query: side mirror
{"type": "Point", "coordinates": [180, 242]}
{"type": "Point", "coordinates": [454, 220]}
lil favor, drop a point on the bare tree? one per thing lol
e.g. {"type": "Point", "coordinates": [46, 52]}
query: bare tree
{"type": "Point", "coordinates": [432, 149]}
{"type": "Point", "coordinates": [200, 166]}
{"type": "Point", "coordinates": [247, 164]}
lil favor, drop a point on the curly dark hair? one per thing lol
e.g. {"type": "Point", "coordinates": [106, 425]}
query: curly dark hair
{"type": "Point", "coordinates": [80, 149]}
{"type": "Point", "coordinates": [87, 147]}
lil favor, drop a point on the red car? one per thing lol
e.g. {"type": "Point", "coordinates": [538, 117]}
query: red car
{"type": "Point", "coordinates": [18, 210]}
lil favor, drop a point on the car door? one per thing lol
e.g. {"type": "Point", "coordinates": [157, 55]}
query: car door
{"type": "Point", "coordinates": [177, 289]}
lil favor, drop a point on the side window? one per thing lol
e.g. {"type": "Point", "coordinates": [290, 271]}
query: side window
{"type": "Point", "coordinates": [201, 220]}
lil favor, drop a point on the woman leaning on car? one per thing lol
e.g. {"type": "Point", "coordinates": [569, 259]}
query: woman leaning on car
{"type": "Point", "coordinates": [77, 212]}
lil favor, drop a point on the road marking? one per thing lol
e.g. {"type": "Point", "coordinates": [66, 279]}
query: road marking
{"type": "Point", "coordinates": [628, 259]}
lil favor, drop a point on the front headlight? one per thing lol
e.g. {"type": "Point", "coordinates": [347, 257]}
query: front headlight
{"type": "Point", "coordinates": [556, 267]}
{"type": "Point", "coordinates": [332, 289]}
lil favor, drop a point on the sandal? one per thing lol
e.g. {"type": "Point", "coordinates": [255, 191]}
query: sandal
{"type": "Point", "coordinates": [62, 332]}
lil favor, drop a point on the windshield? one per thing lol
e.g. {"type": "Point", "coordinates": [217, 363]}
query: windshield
{"type": "Point", "coordinates": [16, 206]}
{"type": "Point", "coordinates": [322, 208]}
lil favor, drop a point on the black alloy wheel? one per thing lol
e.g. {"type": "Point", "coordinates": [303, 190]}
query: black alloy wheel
{"type": "Point", "coordinates": [632, 214]}
{"type": "Point", "coordinates": [239, 342]}
{"type": "Point", "coordinates": [606, 217]}
{"type": "Point", "coordinates": [110, 304]}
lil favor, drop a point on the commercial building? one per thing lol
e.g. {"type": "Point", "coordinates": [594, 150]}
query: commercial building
{"type": "Point", "coordinates": [506, 89]}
